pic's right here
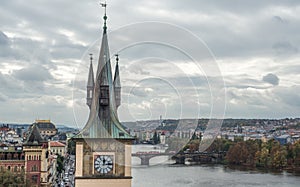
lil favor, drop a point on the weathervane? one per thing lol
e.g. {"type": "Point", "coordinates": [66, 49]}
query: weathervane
{"type": "Point", "coordinates": [104, 5]}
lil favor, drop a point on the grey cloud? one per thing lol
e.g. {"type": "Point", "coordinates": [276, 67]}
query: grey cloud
{"type": "Point", "coordinates": [4, 45]}
{"type": "Point", "coordinates": [33, 74]}
{"type": "Point", "coordinates": [3, 39]}
{"type": "Point", "coordinates": [279, 19]}
{"type": "Point", "coordinates": [284, 48]}
{"type": "Point", "coordinates": [9, 83]}
{"type": "Point", "coordinates": [271, 78]}
{"type": "Point", "coordinates": [3, 97]}
{"type": "Point", "coordinates": [233, 29]}
{"type": "Point", "coordinates": [292, 69]}
{"type": "Point", "coordinates": [140, 92]}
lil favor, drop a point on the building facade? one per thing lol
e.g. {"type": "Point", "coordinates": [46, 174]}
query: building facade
{"type": "Point", "coordinates": [32, 160]}
{"type": "Point", "coordinates": [57, 148]}
{"type": "Point", "coordinates": [46, 128]}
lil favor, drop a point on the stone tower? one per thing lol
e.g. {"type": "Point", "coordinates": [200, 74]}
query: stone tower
{"type": "Point", "coordinates": [103, 147]}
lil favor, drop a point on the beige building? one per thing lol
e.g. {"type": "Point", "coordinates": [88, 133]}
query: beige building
{"type": "Point", "coordinates": [57, 148]}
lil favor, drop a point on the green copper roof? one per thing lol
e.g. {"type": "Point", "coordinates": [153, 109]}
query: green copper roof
{"type": "Point", "coordinates": [109, 126]}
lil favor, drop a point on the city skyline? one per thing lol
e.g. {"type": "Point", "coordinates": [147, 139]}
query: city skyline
{"type": "Point", "coordinates": [45, 47]}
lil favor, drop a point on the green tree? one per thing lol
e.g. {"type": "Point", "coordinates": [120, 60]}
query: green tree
{"type": "Point", "coordinates": [296, 150]}
{"type": "Point", "coordinates": [279, 158]}
{"type": "Point", "coordinates": [264, 156]}
{"type": "Point", "coordinates": [237, 154]}
{"type": "Point", "coordinates": [155, 138]}
{"type": "Point", "coordinates": [60, 163]}
{"type": "Point", "coordinates": [8, 178]}
{"type": "Point", "coordinates": [71, 147]}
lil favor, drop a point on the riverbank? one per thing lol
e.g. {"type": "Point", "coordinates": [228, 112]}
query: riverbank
{"type": "Point", "coordinates": [295, 171]}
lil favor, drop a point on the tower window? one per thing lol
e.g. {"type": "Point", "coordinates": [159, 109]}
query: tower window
{"type": "Point", "coordinates": [121, 134]}
{"type": "Point", "coordinates": [34, 168]}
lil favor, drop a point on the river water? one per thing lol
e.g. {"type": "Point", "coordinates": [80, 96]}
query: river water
{"type": "Point", "coordinates": [208, 176]}
{"type": "Point", "coordinates": [163, 174]}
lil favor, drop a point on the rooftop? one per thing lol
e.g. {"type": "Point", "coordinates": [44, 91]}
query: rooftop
{"type": "Point", "coordinates": [44, 124]}
{"type": "Point", "coordinates": [56, 144]}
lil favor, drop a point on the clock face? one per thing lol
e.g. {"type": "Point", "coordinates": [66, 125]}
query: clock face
{"type": "Point", "coordinates": [104, 164]}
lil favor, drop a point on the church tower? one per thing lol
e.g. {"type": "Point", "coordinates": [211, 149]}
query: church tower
{"type": "Point", "coordinates": [103, 147]}
{"type": "Point", "coordinates": [90, 84]}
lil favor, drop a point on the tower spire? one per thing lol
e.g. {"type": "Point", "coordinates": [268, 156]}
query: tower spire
{"type": "Point", "coordinates": [90, 84]}
{"type": "Point", "coordinates": [103, 120]}
{"type": "Point", "coordinates": [117, 83]}
{"type": "Point", "coordinates": [105, 16]}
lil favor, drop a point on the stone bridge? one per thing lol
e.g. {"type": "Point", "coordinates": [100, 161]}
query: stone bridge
{"type": "Point", "coordinates": [145, 157]}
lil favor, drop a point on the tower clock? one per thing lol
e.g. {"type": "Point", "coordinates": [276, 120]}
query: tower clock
{"type": "Point", "coordinates": [104, 164]}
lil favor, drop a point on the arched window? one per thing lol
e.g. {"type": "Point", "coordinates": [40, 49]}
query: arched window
{"type": "Point", "coordinates": [2, 156]}
{"type": "Point", "coordinates": [34, 158]}
{"type": "Point", "coordinates": [9, 156]}
{"type": "Point", "coordinates": [39, 157]}
{"type": "Point", "coordinates": [8, 168]}
{"type": "Point", "coordinates": [15, 168]}
{"type": "Point", "coordinates": [22, 168]}
{"type": "Point", "coordinates": [29, 157]}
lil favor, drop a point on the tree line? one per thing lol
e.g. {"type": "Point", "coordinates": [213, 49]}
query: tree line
{"type": "Point", "coordinates": [255, 153]}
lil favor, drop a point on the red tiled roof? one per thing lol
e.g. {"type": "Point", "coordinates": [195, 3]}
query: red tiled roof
{"type": "Point", "coordinates": [57, 144]}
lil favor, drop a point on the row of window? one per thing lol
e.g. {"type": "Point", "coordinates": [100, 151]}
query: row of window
{"type": "Point", "coordinates": [15, 168]}
{"type": "Point", "coordinates": [18, 168]}
{"type": "Point", "coordinates": [56, 150]}
{"type": "Point", "coordinates": [47, 132]}
{"type": "Point", "coordinates": [34, 157]}
{"type": "Point", "coordinates": [11, 156]}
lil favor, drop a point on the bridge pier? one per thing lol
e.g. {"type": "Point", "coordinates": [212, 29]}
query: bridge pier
{"type": "Point", "coordinates": [180, 160]}
{"type": "Point", "coordinates": [145, 161]}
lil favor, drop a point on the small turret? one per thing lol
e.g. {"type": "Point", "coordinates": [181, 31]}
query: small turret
{"type": "Point", "coordinates": [117, 83]}
{"type": "Point", "coordinates": [90, 84]}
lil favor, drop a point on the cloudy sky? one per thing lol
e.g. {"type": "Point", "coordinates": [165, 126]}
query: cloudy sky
{"type": "Point", "coordinates": [175, 57]}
